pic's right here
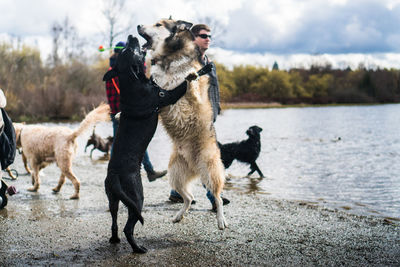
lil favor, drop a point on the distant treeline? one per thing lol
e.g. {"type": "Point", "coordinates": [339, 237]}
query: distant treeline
{"type": "Point", "coordinates": [42, 92]}
{"type": "Point", "coordinates": [317, 85]}
{"type": "Point", "coordinates": [66, 90]}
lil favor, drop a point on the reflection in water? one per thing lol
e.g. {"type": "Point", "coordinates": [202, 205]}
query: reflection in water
{"type": "Point", "coordinates": [244, 184]}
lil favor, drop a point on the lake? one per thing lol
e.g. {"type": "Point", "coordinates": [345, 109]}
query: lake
{"type": "Point", "coordinates": [341, 157]}
{"type": "Point", "coordinates": [345, 157]}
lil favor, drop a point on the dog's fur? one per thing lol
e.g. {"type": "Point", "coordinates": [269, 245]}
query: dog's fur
{"type": "Point", "coordinates": [140, 100]}
{"type": "Point", "coordinates": [246, 151]}
{"type": "Point", "coordinates": [104, 145]}
{"type": "Point", "coordinates": [189, 122]}
{"type": "Point", "coordinates": [43, 145]}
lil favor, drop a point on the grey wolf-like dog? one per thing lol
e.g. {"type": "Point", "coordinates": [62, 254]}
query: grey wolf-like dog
{"type": "Point", "coordinates": [188, 122]}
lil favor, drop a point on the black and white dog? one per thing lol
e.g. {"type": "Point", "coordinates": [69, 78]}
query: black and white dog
{"type": "Point", "coordinates": [140, 102]}
{"type": "Point", "coordinates": [246, 151]}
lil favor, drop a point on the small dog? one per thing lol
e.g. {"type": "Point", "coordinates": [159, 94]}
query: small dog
{"type": "Point", "coordinates": [246, 151]}
{"type": "Point", "coordinates": [189, 122]}
{"type": "Point", "coordinates": [99, 143]}
{"type": "Point", "coordinates": [43, 145]}
{"type": "Point", "coordinates": [140, 102]}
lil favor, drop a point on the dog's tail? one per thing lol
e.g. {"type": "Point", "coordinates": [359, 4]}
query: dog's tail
{"type": "Point", "coordinates": [101, 113]}
{"type": "Point", "coordinates": [119, 192]}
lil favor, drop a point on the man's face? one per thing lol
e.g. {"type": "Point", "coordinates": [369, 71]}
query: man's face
{"type": "Point", "coordinates": [203, 44]}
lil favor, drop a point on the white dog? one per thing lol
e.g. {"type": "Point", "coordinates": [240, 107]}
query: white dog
{"type": "Point", "coordinates": [43, 145]}
{"type": "Point", "coordinates": [189, 121]}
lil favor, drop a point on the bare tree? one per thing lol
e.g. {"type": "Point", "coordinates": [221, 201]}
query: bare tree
{"type": "Point", "coordinates": [114, 12]}
{"type": "Point", "coordinates": [70, 39]}
{"type": "Point", "coordinates": [56, 30]}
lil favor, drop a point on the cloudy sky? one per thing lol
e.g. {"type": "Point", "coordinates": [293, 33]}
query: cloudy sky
{"type": "Point", "coordinates": [295, 33]}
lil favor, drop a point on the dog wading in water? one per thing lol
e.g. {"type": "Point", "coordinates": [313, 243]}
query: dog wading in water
{"type": "Point", "coordinates": [246, 151]}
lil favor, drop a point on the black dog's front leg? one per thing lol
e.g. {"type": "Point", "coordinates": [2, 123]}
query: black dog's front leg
{"type": "Point", "coordinates": [168, 97]}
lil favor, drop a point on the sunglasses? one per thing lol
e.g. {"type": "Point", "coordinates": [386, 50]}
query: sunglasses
{"type": "Point", "coordinates": [204, 36]}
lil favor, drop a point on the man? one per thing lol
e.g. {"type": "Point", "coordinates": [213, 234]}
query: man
{"type": "Point", "coordinates": [112, 89]}
{"type": "Point", "coordinates": [7, 142]}
{"type": "Point", "coordinates": [202, 39]}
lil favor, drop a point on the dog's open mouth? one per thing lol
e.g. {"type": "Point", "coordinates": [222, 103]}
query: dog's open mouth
{"type": "Point", "coordinates": [149, 40]}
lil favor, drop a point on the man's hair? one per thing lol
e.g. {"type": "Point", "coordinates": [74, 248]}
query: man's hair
{"type": "Point", "coordinates": [198, 27]}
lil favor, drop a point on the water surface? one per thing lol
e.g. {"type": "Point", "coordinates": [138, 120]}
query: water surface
{"type": "Point", "coordinates": [341, 157]}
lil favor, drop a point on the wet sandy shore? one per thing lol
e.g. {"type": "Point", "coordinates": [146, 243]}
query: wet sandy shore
{"type": "Point", "coordinates": [43, 228]}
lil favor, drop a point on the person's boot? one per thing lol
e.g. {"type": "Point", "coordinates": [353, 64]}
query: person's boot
{"type": "Point", "coordinates": [178, 199]}
{"type": "Point", "coordinates": [225, 201]}
{"type": "Point", "coordinates": [152, 176]}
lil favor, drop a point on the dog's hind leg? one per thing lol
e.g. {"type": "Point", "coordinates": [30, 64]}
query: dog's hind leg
{"type": "Point", "coordinates": [61, 181]}
{"type": "Point", "coordinates": [187, 200]}
{"type": "Point", "coordinates": [114, 205]}
{"type": "Point", "coordinates": [129, 230]}
{"type": "Point", "coordinates": [212, 175]}
{"type": "Point", "coordinates": [179, 179]}
{"type": "Point", "coordinates": [254, 167]}
{"type": "Point", "coordinates": [75, 182]}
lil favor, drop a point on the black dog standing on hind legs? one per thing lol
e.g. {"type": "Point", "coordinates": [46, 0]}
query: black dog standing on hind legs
{"type": "Point", "coordinates": [246, 151]}
{"type": "Point", "coordinates": [140, 101]}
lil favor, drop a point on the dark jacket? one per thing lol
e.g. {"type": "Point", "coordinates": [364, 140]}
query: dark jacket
{"type": "Point", "coordinates": [213, 90]}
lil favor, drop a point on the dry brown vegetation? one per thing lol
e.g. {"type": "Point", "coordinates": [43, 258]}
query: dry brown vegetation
{"type": "Point", "coordinates": [66, 89]}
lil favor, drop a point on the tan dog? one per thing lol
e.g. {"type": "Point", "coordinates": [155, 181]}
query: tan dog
{"type": "Point", "coordinates": [189, 121]}
{"type": "Point", "coordinates": [43, 145]}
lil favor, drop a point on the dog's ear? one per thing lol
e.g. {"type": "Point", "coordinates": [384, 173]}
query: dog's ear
{"type": "Point", "coordinates": [176, 40]}
{"type": "Point", "coordinates": [183, 25]}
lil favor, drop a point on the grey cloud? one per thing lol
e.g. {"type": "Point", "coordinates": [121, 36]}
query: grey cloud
{"type": "Point", "coordinates": [357, 27]}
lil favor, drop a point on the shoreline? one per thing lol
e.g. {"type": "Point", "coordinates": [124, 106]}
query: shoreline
{"type": "Point", "coordinates": [224, 106]}
{"type": "Point", "coordinates": [251, 105]}
{"type": "Point", "coordinates": [49, 229]}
